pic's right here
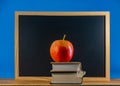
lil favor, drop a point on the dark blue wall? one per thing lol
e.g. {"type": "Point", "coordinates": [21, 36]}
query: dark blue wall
{"type": "Point", "coordinates": [7, 11]}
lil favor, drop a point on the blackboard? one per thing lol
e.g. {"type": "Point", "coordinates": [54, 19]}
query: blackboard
{"type": "Point", "coordinates": [36, 31]}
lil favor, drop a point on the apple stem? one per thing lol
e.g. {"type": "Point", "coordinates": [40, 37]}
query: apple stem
{"type": "Point", "coordinates": [64, 36]}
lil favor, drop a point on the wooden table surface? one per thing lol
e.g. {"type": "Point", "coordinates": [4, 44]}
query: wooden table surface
{"type": "Point", "coordinates": [7, 82]}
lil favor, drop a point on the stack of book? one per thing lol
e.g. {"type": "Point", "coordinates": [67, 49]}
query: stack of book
{"type": "Point", "coordinates": [67, 72]}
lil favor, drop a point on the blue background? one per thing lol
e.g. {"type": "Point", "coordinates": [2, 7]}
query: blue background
{"type": "Point", "coordinates": [7, 12]}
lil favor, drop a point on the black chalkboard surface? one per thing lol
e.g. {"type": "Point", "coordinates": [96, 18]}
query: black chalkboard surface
{"type": "Point", "coordinates": [37, 32]}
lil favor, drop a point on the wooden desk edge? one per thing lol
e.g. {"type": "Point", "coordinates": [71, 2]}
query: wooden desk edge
{"type": "Point", "coordinates": [6, 82]}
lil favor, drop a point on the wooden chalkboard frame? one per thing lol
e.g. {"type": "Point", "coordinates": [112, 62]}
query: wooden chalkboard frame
{"type": "Point", "coordinates": [107, 38]}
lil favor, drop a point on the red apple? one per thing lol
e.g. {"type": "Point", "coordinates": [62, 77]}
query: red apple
{"type": "Point", "coordinates": [61, 50]}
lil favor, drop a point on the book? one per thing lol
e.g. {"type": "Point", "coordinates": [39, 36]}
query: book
{"type": "Point", "coordinates": [63, 71]}
{"type": "Point", "coordinates": [67, 77]}
{"type": "Point", "coordinates": [66, 66]}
